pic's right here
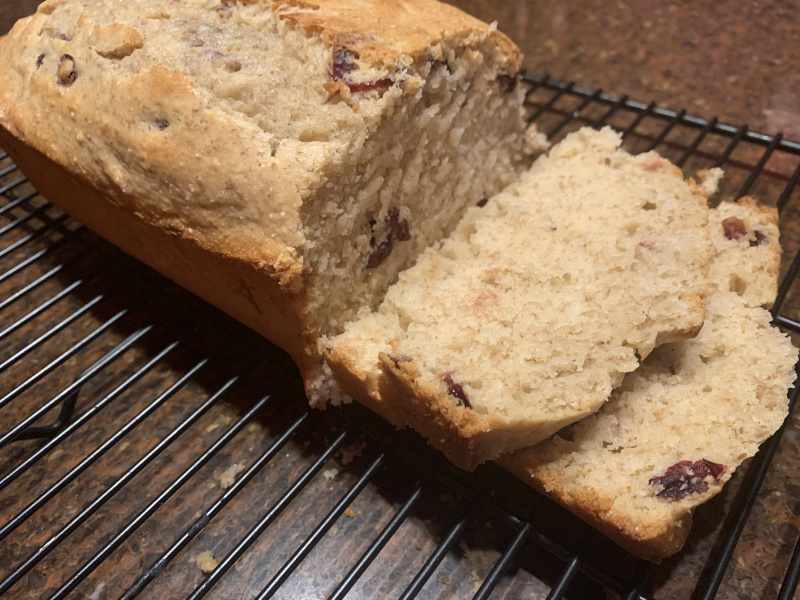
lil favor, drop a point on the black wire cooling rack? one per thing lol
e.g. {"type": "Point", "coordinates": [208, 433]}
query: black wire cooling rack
{"type": "Point", "coordinates": [141, 430]}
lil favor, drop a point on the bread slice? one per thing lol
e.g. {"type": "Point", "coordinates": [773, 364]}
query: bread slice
{"type": "Point", "coordinates": [531, 312]}
{"type": "Point", "coordinates": [285, 160]}
{"type": "Point", "coordinates": [746, 261]}
{"type": "Point", "coordinates": [680, 425]}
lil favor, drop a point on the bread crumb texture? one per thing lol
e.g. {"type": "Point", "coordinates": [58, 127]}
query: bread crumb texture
{"type": "Point", "coordinates": [530, 313]}
{"type": "Point", "coordinates": [628, 469]}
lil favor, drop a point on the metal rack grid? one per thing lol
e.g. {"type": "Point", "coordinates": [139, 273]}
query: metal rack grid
{"type": "Point", "coordinates": [140, 427]}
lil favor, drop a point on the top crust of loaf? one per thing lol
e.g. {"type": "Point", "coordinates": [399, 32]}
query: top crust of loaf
{"type": "Point", "coordinates": [384, 32]}
{"type": "Point", "coordinates": [103, 90]}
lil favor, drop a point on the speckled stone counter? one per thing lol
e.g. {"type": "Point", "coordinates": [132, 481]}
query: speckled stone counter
{"type": "Point", "coordinates": [734, 60]}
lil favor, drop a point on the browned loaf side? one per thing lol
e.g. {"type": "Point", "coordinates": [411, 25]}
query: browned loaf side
{"type": "Point", "coordinates": [530, 313]}
{"type": "Point", "coordinates": [284, 160]}
{"type": "Point", "coordinates": [680, 425]}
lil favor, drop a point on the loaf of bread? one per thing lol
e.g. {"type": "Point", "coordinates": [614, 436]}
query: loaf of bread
{"type": "Point", "coordinates": [531, 312]}
{"type": "Point", "coordinates": [680, 425]}
{"type": "Point", "coordinates": [285, 160]}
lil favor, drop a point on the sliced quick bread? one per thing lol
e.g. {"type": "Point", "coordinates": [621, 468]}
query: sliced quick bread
{"type": "Point", "coordinates": [532, 311]}
{"type": "Point", "coordinates": [680, 425]}
{"type": "Point", "coordinates": [745, 259]}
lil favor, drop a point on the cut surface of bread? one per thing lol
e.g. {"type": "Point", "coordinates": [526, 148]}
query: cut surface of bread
{"type": "Point", "coordinates": [323, 144]}
{"type": "Point", "coordinates": [530, 313]}
{"type": "Point", "coordinates": [680, 425]}
{"type": "Point", "coordinates": [746, 261]}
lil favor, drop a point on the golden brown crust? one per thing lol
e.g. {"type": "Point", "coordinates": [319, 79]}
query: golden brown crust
{"type": "Point", "coordinates": [242, 288]}
{"type": "Point", "coordinates": [354, 382]}
{"type": "Point", "coordinates": [412, 29]}
{"type": "Point", "coordinates": [455, 430]}
{"type": "Point", "coordinates": [651, 541]}
{"type": "Point", "coordinates": [466, 437]}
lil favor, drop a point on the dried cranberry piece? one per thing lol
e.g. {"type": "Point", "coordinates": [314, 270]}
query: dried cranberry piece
{"type": "Point", "coordinates": [507, 83]}
{"type": "Point", "coordinates": [686, 477]}
{"type": "Point", "coordinates": [161, 124]}
{"type": "Point", "coordinates": [40, 61]}
{"type": "Point", "coordinates": [399, 359]}
{"type": "Point", "coordinates": [455, 390]}
{"type": "Point", "coordinates": [482, 202]}
{"type": "Point", "coordinates": [342, 63]}
{"type": "Point", "coordinates": [234, 66]}
{"type": "Point", "coordinates": [760, 238]}
{"type": "Point", "coordinates": [62, 36]}
{"type": "Point", "coordinates": [67, 74]}
{"type": "Point", "coordinates": [734, 228]}
{"type": "Point", "coordinates": [380, 254]}
{"type": "Point", "coordinates": [399, 229]}
{"type": "Point", "coordinates": [368, 86]}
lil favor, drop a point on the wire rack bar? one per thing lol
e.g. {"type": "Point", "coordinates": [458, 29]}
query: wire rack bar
{"type": "Point", "coordinates": [756, 171]}
{"type": "Point", "coordinates": [189, 534]}
{"type": "Point", "coordinates": [664, 113]}
{"type": "Point", "coordinates": [50, 333]}
{"type": "Point", "coordinates": [792, 578]}
{"type": "Point", "coordinates": [109, 443]}
{"type": "Point", "coordinates": [696, 143]}
{"type": "Point", "coordinates": [455, 533]}
{"type": "Point", "coordinates": [21, 266]}
{"type": "Point", "coordinates": [788, 189]}
{"type": "Point", "coordinates": [612, 110]}
{"type": "Point", "coordinates": [500, 567]}
{"type": "Point", "coordinates": [23, 219]}
{"type": "Point", "coordinates": [643, 573]}
{"type": "Point", "coordinates": [786, 284]}
{"type": "Point", "coordinates": [575, 114]}
{"type": "Point", "coordinates": [42, 308]}
{"type": "Point", "coordinates": [377, 545]}
{"type": "Point", "coordinates": [308, 545]}
{"type": "Point", "coordinates": [10, 186]}
{"type": "Point", "coordinates": [665, 131]}
{"type": "Point", "coordinates": [162, 498]}
{"type": "Point", "coordinates": [256, 531]}
{"type": "Point", "coordinates": [75, 386]}
{"type": "Point", "coordinates": [57, 538]}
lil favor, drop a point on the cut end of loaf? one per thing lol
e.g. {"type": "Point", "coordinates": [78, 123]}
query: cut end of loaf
{"type": "Point", "coordinates": [553, 286]}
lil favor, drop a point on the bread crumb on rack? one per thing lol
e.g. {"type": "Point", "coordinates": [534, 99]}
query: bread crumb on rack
{"type": "Point", "coordinates": [206, 561]}
{"type": "Point", "coordinates": [229, 476]}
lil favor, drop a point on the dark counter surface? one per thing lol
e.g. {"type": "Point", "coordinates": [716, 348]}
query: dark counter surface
{"type": "Point", "coordinates": [734, 60]}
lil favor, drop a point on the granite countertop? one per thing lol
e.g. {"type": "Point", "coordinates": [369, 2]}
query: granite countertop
{"type": "Point", "coordinates": [736, 61]}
